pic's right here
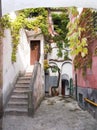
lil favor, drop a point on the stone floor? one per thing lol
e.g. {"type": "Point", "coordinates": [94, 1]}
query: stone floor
{"type": "Point", "coordinates": [54, 113]}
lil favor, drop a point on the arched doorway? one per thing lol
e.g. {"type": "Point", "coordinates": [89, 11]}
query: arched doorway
{"type": "Point", "coordinates": [65, 90]}
{"type": "Point", "coordinates": [65, 87]}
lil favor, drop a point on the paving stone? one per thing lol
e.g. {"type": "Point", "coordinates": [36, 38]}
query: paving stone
{"type": "Point", "coordinates": [59, 116]}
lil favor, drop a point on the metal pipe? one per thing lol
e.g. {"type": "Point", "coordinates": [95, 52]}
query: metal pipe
{"type": "Point", "coordinates": [0, 9]}
{"type": "Point", "coordinates": [76, 85]}
{"type": "Point", "coordinates": [91, 102]}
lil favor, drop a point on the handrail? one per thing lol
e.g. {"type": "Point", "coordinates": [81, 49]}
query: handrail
{"type": "Point", "coordinates": [91, 102]}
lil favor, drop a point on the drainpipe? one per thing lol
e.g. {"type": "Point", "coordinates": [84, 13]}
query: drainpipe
{"type": "Point", "coordinates": [59, 82]}
{"type": "Point", "coordinates": [1, 74]}
{"type": "Point", "coordinates": [76, 86]}
{"type": "Point", "coordinates": [0, 9]}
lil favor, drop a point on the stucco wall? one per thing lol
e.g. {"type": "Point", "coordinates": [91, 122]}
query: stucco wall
{"type": "Point", "coordinates": [90, 80]}
{"type": "Point", "coordinates": [87, 85]}
{"type": "Point", "coordinates": [67, 69]}
{"type": "Point", "coordinates": [11, 70]}
{"type": "Point", "coordinates": [38, 88]}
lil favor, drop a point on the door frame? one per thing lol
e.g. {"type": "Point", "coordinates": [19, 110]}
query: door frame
{"type": "Point", "coordinates": [38, 51]}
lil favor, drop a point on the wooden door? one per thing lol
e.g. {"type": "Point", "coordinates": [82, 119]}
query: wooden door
{"type": "Point", "coordinates": [34, 52]}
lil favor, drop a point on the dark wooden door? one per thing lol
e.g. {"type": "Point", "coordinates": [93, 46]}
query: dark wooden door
{"type": "Point", "coordinates": [34, 52]}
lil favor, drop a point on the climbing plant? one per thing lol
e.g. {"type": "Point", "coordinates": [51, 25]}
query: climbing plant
{"type": "Point", "coordinates": [4, 23]}
{"type": "Point", "coordinates": [60, 21]}
{"type": "Point", "coordinates": [30, 19]}
{"type": "Point", "coordinates": [16, 25]}
{"type": "Point", "coordinates": [81, 36]}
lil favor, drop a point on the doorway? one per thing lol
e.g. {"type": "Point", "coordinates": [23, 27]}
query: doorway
{"type": "Point", "coordinates": [65, 87]}
{"type": "Point", "coordinates": [34, 52]}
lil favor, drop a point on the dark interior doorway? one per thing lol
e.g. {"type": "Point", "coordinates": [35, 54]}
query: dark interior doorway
{"type": "Point", "coordinates": [65, 87]}
{"type": "Point", "coordinates": [34, 52]}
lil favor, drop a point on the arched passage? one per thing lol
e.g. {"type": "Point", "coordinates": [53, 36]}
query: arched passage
{"type": "Point", "coordinates": [65, 85]}
{"type": "Point", "coordinates": [66, 75]}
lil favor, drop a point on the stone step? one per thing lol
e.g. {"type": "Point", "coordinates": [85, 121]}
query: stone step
{"type": "Point", "coordinates": [19, 96]}
{"type": "Point", "coordinates": [15, 99]}
{"type": "Point", "coordinates": [28, 74]}
{"type": "Point", "coordinates": [16, 91]}
{"type": "Point", "coordinates": [16, 111]}
{"type": "Point", "coordinates": [25, 78]}
{"type": "Point", "coordinates": [18, 102]}
{"type": "Point", "coordinates": [20, 106]}
{"type": "Point", "coordinates": [22, 85]}
{"type": "Point", "coordinates": [17, 105]}
{"type": "Point", "coordinates": [22, 88]}
{"type": "Point", "coordinates": [23, 81]}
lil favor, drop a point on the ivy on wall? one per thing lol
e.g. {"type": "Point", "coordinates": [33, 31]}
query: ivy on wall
{"type": "Point", "coordinates": [4, 24]}
{"type": "Point", "coordinates": [60, 21]}
{"type": "Point", "coordinates": [81, 36]}
{"type": "Point", "coordinates": [30, 19]}
{"type": "Point", "coordinates": [16, 26]}
{"type": "Point", "coordinates": [80, 33]}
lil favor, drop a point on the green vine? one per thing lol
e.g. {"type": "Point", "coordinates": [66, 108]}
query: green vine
{"type": "Point", "coordinates": [60, 26]}
{"type": "Point", "coordinates": [5, 23]}
{"type": "Point", "coordinates": [30, 19]}
{"type": "Point", "coordinates": [16, 26]}
{"type": "Point", "coordinates": [81, 36]}
{"type": "Point", "coordinates": [33, 19]}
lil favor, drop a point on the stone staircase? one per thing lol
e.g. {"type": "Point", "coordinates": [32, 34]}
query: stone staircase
{"type": "Point", "coordinates": [18, 103]}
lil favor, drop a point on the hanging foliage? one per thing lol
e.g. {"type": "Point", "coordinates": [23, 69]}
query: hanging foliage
{"type": "Point", "coordinates": [60, 21]}
{"type": "Point", "coordinates": [81, 36]}
{"type": "Point", "coordinates": [5, 23]}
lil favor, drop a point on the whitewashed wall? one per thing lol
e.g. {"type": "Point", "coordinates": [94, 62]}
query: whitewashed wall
{"type": "Point", "coordinates": [64, 66]}
{"type": "Point", "coordinates": [11, 71]}
{"type": "Point", "coordinates": [66, 69]}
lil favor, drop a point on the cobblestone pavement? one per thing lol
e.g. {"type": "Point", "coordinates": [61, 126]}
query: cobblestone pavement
{"type": "Point", "coordinates": [54, 113]}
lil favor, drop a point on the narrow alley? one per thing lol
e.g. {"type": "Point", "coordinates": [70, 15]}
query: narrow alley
{"type": "Point", "coordinates": [54, 113]}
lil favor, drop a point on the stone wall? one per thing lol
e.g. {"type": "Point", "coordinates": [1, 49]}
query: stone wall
{"type": "Point", "coordinates": [90, 94]}
{"type": "Point", "coordinates": [87, 85]}
{"type": "Point", "coordinates": [37, 89]}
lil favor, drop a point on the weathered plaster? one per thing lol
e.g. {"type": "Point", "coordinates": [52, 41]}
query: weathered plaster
{"type": "Point", "coordinates": [12, 70]}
